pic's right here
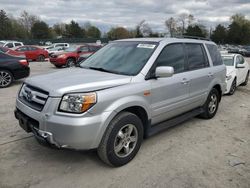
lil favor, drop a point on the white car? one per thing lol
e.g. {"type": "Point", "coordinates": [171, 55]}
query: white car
{"type": "Point", "coordinates": [237, 71]}
{"type": "Point", "coordinates": [10, 44]}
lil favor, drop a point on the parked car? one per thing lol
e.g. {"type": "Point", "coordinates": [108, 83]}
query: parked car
{"type": "Point", "coordinates": [65, 45]}
{"type": "Point", "coordinates": [126, 91]}
{"type": "Point", "coordinates": [237, 71]}
{"type": "Point", "coordinates": [245, 51]}
{"type": "Point", "coordinates": [33, 53]}
{"type": "Point", "coordinates": [55, 50]}
{"type": "Point", "coordinates": [12, 68]}
{"type": "Point", "coordinates": [10, 44]}
{"type": "Point", "coordinates": [70, 56]}
{"type": "Point", "coordinates": [12, 52]}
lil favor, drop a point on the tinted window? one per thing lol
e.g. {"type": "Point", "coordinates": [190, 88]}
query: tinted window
{"type": "Point", "coordinates": [9, 45]}
{"type": "Point", "coordinates": [94, 48]}
{"type": "Point", "coordinates": [22, 49]}
{"type": "Point", "coordinates": [31, 48]}
{"type": "Point", "coordinates": [172, 55]}
{"type": "Point", "coordinates": [241, 60]}
{"type": "Point", "coordinates": [84, 49]}
{"type": "Point", "coordinates": [196, 57]}
{"type": "Point", "coordinates": [18, 44]}
{"type": "Point", "coordinates": [215, 54]}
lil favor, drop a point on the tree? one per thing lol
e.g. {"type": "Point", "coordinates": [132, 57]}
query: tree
{"type": "Point", "coordinates": [40, 30]}
{"type": "Point", "coordinates": [185, 20]}
{"type": "Point", "coordinates": [196, 30]}
{"type": "Point", "coordinates": [27, 20]}
{"type": "Point", "coordinates": [219, 35]}
{"type": "Point", "coordinates": [143, 29]}
{"type": "Point", "coordinates": [73, 30]}
{"type": "Point", "coordinates": [118, 33]}
{"type": "Point", "coordinates": [5, 26]}
{"type": "Point", "coordinates": [19, 31]}
{"type": "Point", "coordinates": [93, 32]}
{"type": "Point", "coordinates": [171, 26]}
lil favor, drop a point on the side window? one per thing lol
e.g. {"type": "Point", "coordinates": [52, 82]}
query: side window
{"type": "Point", "coordinates": [32, 48]}
{"type": "Point", "coordinates": [18, 44]}
{"type": "Point", "coordinates": [84, 49]}
{"type": "Point", "coordinates": [22, 49]}
{"type": "Point", "coordinates": [196, 56]}
{"type": "Point", "coordinates": [172, 55]}
{"type": "Point", "coordinates": [215, 54]}
{"type": "Point", "coordinates": [9, 45]}
{"type": "Point", "coordinates": [242, 61]}
{"type": "Point", "coordinates": [238, 60]}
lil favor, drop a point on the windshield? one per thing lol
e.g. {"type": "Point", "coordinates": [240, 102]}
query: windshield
{"type": "Point", "coordinates": [228, 61]}
{"type": "Point", "coordinates": [71, 49]}
{"type": "Point", "coordinates": [126, 58]}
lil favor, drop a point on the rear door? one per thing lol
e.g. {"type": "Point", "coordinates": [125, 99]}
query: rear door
{"type": "Point", "coordinates": [200, 73]}
{"type": "Point", "coordinates": [170, 95]}
{"type": "Point", "coordinates": [241, 72]}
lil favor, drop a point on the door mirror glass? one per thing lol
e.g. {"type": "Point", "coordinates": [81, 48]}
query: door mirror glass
{"type": "Point", "coordinates": [164, 71]}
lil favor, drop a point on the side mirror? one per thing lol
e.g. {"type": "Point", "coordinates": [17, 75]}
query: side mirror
{"type": "Point", "coordinates": [164, 71]}
{"type": "Point", "coordinates": [240, 66]}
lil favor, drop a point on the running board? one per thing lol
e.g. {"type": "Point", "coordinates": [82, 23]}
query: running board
{"type": "Point", "coordinates": [174, 121]}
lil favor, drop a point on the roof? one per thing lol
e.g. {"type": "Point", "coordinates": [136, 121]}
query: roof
{"type": "Point", "coordinates": [229, 55]}
{"type": "Point", "coordinates": [166, 40]}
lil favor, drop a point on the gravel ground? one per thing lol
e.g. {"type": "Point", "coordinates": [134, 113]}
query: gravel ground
{"type": "Point", "coordinates": [197, 153]}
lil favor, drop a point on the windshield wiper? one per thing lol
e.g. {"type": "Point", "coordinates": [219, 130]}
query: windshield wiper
{"type": "Point", "coordinates": [101, 69]}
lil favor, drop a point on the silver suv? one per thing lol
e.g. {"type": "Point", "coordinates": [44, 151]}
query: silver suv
{"type": "Point", "coordinates": [128, 90]}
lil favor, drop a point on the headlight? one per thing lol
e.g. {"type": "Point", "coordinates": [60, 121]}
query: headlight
{"type": "Point", "coordinates": [77, 102]}
{"type": "Point", "coordinates": [228, 77]}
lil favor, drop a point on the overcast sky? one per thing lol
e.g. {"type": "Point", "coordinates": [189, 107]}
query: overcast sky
{"type": "Point", "coordinates": [127, 13]}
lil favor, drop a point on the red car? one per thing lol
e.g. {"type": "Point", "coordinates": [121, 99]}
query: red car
{"type": "Point", "coordinates": [12, 52]}
{"type": "Point", "coordinates": [33, 53]}
{"type": "Point", "coordinates": [71, 55]}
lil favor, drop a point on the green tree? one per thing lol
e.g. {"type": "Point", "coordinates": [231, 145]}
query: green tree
{"type": "Point", "coordinates": [118, 33]}
{"type": "Point", "coordinates": [27, 20]}
{"type": "Point", "coordinates": [5, 26]}
{"type": "Point", "coordinates": [93, 32]}
{"type": "Point", "coordinates": [196, 30]}
{"type": "Point", "coordinates": [19, 31]}
{"type": "Point", "coordinates": [219, 35]}
{"type": "Point", "coordinates": [40, 30]}
{"type": "Point", "coordinates": [73, 30]}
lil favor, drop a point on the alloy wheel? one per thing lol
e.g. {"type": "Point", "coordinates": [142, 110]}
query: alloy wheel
{"type": "Point", "coordinates": [212, 104]}
{"type": "Point", "coordinates": [126, 140]}
{"type": "Point", "coordinates": [5, 78]}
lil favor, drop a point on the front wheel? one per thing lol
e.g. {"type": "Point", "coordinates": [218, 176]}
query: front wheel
{"type": "Point", "coordinates": [70, 62]}
{"type": "Point", "coordinates": [211, 106]}
{"type": "Point", "coordinates": [6, 78]}
{"type": "Point", "coordinates": [41, 58]}
{"type": "Point", "coordinates": [233, 87]}
{"type": "Point", "coordinates": [122, 140]}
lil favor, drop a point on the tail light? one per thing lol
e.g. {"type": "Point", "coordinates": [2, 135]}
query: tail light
{"type": "Point", "coordinates": [24, 62]}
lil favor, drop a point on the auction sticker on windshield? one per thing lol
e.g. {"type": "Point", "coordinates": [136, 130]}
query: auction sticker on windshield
{"type": "Point", "coordinates": [151, 46]}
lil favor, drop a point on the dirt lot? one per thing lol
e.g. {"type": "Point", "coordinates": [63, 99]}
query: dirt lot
{"type": "Point", "coordinates": [197, 153]}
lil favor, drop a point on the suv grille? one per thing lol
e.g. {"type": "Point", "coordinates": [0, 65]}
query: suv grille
{"type": "Point", "coordinates": [33, 97]}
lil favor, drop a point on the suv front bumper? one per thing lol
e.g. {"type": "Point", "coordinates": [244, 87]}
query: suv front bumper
{"type": "Point", "coordinates": [63, 130]}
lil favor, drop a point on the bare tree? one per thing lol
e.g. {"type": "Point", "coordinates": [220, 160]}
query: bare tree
{"type": "Point", "coordinates": [171, 25]}
{"type": "Point", "coordinates": [28, 20]}
{"type": "Point", "coordinates": [185, 20]}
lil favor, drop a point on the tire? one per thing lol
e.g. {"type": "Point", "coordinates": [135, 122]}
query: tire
{"type": "Point", "coordinates": [246, 80]}
{"type": "Point", "coordinates": [6, 78]}
{"type": "Point", "coordinates": [118, 136]}
{"type": "Point", "coordinates": [70, 62]}
{"type": "Point", "coordinates": [41, 58]}
{"type": "Point", "coordinates": [211, 105]}
{"type": "Point", "coordinates": [233, 87]}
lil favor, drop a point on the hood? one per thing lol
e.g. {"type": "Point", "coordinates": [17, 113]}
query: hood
{"type": "Point", "coordinates": [76, 80]}
{"type": "Point", "coordinates": [230, 69]}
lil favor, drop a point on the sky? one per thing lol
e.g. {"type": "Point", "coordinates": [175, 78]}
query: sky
{"type": "Point", "coordinates": [111, 13]}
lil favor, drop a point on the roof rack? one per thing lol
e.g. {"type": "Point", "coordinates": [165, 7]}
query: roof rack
{"type": "Point", "coordinates": [193, 37]}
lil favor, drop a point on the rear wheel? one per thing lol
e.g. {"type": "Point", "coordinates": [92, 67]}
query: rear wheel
{"type": "Point", "coordinates": [6, 78]}
{"type": "Point", "coordinates": [246, 80]}
{"type": "Point", "coordinates": [211, 106]}
{"type": "Point", "coordinates": [70, 62]}
{"type": "Point", "coordinates": [122, 140]}
{"type": "Point", "coordinates": [233, 87]}
{"type": "Point", "coordinates": [41, 58]}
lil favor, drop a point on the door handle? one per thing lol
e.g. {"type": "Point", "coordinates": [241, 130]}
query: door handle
{"type": "Point", "coordinates": [210, 74]}
{"type": "Point", "coordinates": [185, 81]}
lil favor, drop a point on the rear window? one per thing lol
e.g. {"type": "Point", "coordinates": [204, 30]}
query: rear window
{"type": "Point", "coordinates": [215, 54]}
{"type": "Point", "coordinates": [9, 45]}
